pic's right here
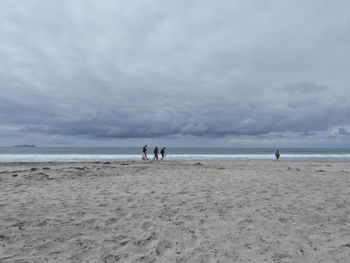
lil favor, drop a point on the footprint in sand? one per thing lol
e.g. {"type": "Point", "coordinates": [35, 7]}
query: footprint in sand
{"type": "Point", "coordinates": [145, 259]}
{"type": "Point", "coordinates": [42, 223]}
{"type": "Point", "coordinates": [89, 221]}
{"type": "Point", "coordinates": [145, 241]}
{"type": "Point", "coordinates": [146, 225]}
{"type": "Point", "coordinates": [114, 258]}
{"type": "Point", "coordinates": [111, 221]}
{"type": "Point", "coordinates": [278, 257]}
{"type": "Point", "coordinates": [162, 246]}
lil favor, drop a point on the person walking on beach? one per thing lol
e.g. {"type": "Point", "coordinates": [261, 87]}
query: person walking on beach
{"type": "Point", "coordinates": [277, 155]}
{"type": "Point", "coordinates": [155, 151]}
{"type": "Point", "coordinates": [144, 152]}
{"type": "Point", "coordinates": [162, 153]}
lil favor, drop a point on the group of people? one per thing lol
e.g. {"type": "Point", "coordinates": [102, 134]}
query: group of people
{"type": "Point", "coordinates": [155, 152]}
{"type": "Point", "coordinates": [162, 153]}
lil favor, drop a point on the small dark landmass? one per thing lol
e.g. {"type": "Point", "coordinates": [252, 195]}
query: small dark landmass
{"type": "Point", "coordinates": [24, 145]}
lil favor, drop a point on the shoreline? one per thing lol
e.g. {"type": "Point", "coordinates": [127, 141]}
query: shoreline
{"type": "Point", "coordinates": [173, 162]}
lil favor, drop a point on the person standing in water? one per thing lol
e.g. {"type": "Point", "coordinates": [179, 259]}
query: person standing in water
{"type": "Point", "coordinates": [155, 151]}
{"type": "Point", "coordinates": [277, 154]}
{"type": "Point", "coordinates": [162, 153]}
{"type": "Point", "coordinates": [144, 152]}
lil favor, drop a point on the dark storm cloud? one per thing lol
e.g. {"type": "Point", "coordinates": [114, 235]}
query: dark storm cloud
{"type": "Point", "coordinates": [152, 69]}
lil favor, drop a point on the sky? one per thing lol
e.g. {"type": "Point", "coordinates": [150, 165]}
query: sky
{"type": "Point", "coordinates": [177, 73]}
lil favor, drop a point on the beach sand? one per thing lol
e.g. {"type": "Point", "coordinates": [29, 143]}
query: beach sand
{"type": "Point", "coordinates": [171, 211]}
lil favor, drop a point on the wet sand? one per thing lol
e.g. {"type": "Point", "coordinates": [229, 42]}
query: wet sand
{"type": "Point", "coordinates": [170, 211]}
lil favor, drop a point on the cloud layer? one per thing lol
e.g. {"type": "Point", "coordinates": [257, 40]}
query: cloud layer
{"type": "Point", "coordinates": [238, 71]}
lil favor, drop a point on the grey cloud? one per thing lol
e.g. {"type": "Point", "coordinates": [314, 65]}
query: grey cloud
{"type": "Point", "coordinates": [305, 88]}
{"type": "Point", "coordinates": [343, 131]}
{"type": "Point", "coordinates": [309, 134]}
{"type": "Point", "coordinates": [184, 69]}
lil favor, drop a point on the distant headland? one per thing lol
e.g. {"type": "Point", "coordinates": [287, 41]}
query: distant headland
{"type": "Point", "coordinates": [24, 145]}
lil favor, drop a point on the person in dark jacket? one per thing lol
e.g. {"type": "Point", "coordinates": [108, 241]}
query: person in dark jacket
{"type": "Point", "coordinates": [155, 151]}
{"type": "Point", "coordinates": [144, 152]}
{"type": "Point", "coordinates": [277, 155]}
{"type": "Point", "coordinates": [162, 153]}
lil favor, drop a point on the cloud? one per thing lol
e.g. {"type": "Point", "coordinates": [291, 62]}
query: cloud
{"type": "Point", "coordinates": [343, 131]}
{"type": "Point", "coordinates": [115, 70]}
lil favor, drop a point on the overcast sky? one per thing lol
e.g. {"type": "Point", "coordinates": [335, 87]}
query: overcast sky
{"type": "Point", "coordinates": [178, 73]}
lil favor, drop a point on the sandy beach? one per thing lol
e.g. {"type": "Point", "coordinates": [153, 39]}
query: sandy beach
{"type": "Point", "coordinates": [174, 211]}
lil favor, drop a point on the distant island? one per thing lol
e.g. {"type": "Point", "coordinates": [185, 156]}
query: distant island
{"type": "Point", "coordinates": [24, 145]}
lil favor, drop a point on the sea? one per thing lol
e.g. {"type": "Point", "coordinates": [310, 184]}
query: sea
{"type": "Point", "coordinates": [94, 154]}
